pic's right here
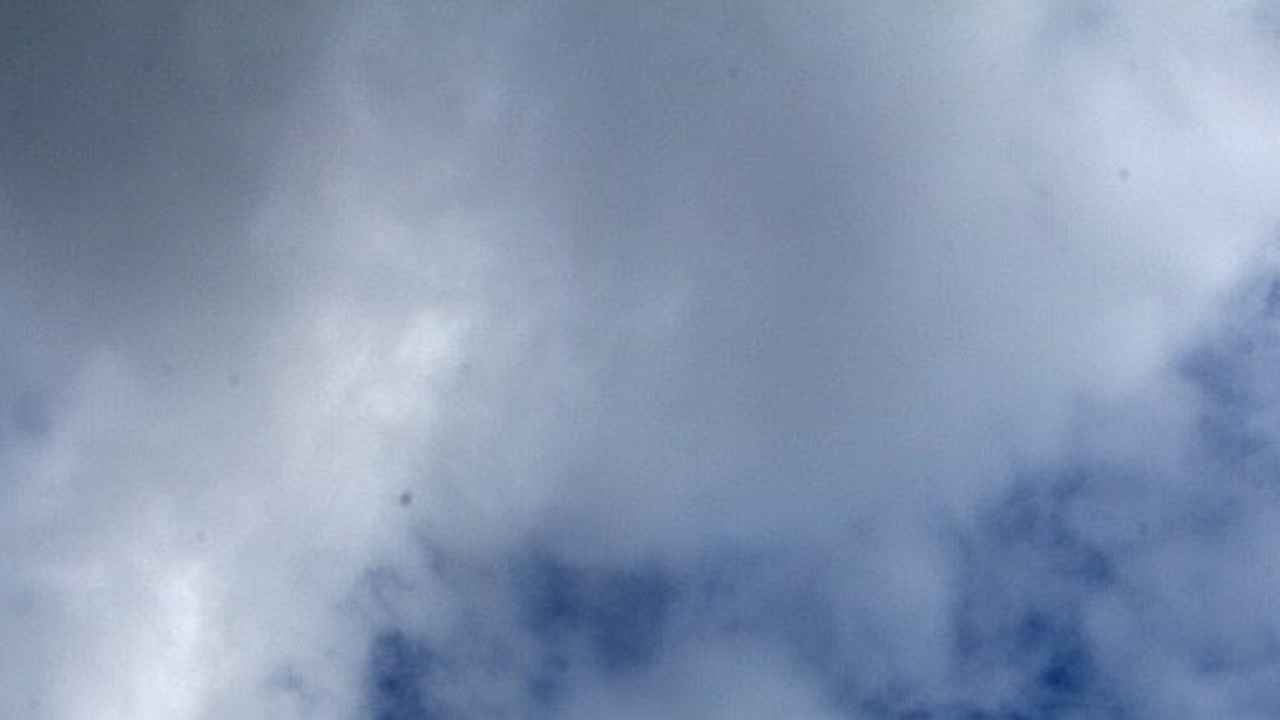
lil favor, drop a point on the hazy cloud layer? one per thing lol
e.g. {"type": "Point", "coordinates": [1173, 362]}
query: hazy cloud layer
{"type": "Point", "coordinates": [681, 360]}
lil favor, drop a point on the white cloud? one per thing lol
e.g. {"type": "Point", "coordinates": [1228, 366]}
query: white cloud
{"type": "Point", "coordinates": [326, 321]}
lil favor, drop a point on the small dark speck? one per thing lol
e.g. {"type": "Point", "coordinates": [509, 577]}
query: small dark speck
{"type": "Point", "coordinates": [406, 497]}
{"type": "Point", "coordinates": [1123, 174]}
{"type": "Point", "coordinates": [734, 72]}
{"type": "Point", "coordinates": [202, 537]}
{"type": "Point", "coordinates": [233, 380]}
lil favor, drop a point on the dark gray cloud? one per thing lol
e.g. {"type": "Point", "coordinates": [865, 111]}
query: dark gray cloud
{"type": "Point", "coordinates": [465, 360]}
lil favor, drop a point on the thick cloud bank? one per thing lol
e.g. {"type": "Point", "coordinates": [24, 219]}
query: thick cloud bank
{"type": "Point", "coordinates": [639, 360]}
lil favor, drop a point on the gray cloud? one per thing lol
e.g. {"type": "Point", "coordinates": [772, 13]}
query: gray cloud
{"type": "Point", "coordinates": [728, 360]}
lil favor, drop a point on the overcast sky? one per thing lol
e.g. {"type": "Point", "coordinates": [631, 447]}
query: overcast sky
{"type": "Point", "coordinates": [685, 360]}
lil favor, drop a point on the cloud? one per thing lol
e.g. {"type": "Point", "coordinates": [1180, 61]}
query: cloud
{"type": "Point", "coordinates": [720, 361]}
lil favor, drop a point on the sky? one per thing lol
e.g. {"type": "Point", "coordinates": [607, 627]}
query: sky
{"type": "Point", "coordinates": [448, 360]}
